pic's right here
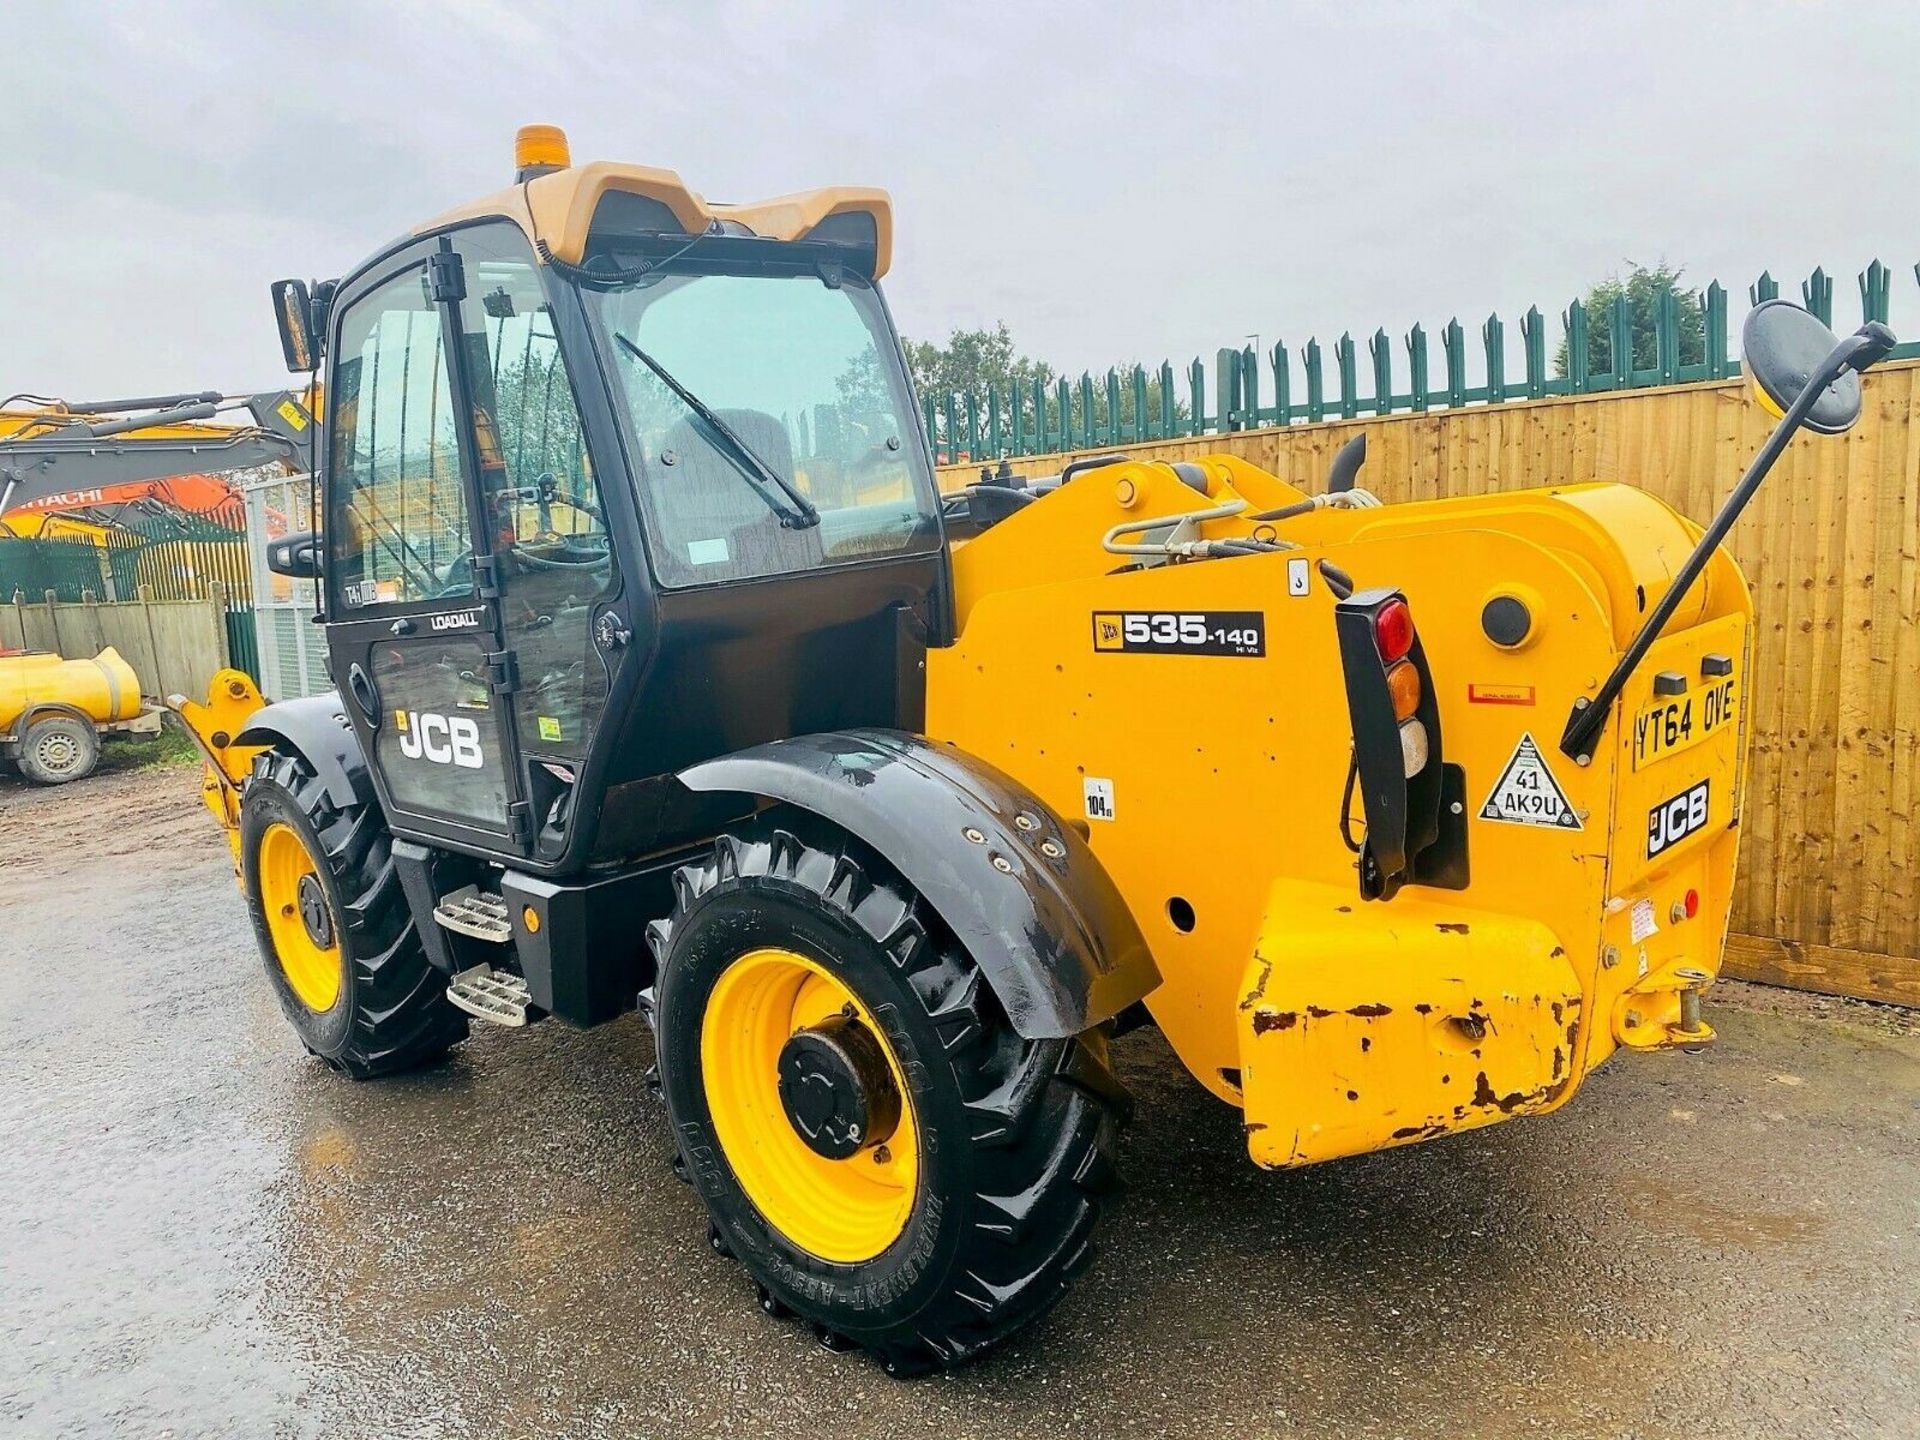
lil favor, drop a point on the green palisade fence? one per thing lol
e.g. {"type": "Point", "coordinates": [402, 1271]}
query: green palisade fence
{"type": "Point", "coordinates": [1250, 390]}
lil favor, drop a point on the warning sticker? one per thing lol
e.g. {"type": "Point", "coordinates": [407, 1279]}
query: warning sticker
{"type": "Point", "coordinates": [1527, 793]}
{"type": "Point", "coordinates": [1643, 924]}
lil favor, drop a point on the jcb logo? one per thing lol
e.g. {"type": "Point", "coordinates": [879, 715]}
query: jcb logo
{"type": "Point", "coordinates": [443, 739]}
{"type": "Point", "coordinates": [1671, 821]}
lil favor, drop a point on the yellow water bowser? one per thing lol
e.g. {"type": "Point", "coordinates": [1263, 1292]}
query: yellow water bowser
{"type": "Point", "coordinates": [52, 709]}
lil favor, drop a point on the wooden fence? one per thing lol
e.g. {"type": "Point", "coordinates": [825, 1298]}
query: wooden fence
{"type": "Point", "coordinates": [174, 646]}
{"type": "Point", "coordinates": [1828, 894]}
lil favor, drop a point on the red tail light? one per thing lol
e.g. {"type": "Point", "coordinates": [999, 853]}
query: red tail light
{"type": "Point", "coordinates": [1393, 630]}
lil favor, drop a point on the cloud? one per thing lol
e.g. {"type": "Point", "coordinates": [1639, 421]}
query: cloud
{"type": "Point", "coordinates": [1116, 181]}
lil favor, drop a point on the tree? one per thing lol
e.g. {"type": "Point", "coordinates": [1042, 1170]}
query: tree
{"type": "Point", "coordinates": [973, 362]}
{"type": "Point", "coordinates": [1642, 288]}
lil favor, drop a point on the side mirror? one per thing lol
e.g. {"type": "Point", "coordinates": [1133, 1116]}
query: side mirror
{"type": "Point", "coordinates": [1781, 346]}
{"type": "Point", "coordinates": [297, 556]}
{"type": "Point", "coordinates": [293, 312]}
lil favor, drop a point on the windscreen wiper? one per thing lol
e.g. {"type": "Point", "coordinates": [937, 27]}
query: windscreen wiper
{"type": "Point", "coordinates": [802, 515]}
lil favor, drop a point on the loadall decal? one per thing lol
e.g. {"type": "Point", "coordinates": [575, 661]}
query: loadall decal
{"type": "Point", "coordinates": [458, 620]}
{"type": "Point", "coordinates": [1527, 793]}
{"type": "Point", "coordinates": [1181, 632]}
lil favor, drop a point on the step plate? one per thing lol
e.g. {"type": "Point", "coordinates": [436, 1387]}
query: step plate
{"type": "Point", "coordinates": [471, 912]}
{"type": "Point", "coordinates": [492, 995]}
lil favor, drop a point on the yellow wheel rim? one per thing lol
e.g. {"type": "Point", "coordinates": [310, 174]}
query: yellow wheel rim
{"type": "Point", "coordinates": [306, 935]}
{"type": "Point", "coordinates": [839, 1210]}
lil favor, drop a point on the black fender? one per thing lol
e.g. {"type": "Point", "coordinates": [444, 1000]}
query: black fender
{"type": "Point", "coordinates": [1020, 889]}
{"type": "Point", "coordinates": [318, 728]}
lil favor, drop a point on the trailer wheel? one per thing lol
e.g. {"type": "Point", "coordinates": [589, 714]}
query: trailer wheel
{"type": "Point", "coordinates": [872, 1139]}
{"type": "Point", "coordinates": [57, 749]}
{"type": "Point", "coordinates": [338, 940]}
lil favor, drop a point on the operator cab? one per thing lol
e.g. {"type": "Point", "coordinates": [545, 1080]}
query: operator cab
{"type": "Point", "coordinates": [615, 480]}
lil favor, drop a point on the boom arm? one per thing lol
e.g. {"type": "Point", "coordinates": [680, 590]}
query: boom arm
{"type": "Point", "coordinates": [56, 450]}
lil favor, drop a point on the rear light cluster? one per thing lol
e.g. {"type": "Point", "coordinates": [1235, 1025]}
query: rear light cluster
{"type": "Point", "coordinates": [1393, 638]}
{"type": "Point", "coordinates": [1396, 768]}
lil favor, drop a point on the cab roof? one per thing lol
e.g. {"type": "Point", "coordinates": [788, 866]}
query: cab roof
{"type": "Point", "coordinates": [558, 211]}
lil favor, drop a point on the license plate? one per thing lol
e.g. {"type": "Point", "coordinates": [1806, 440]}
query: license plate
{"type": "Point", "coordinates": [1670, 726]}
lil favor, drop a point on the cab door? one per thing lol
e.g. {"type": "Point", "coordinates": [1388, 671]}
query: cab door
{"type": "Point", "coordinates": [415, 636]}
{"type": "Point", "coordinates": [554, 573]}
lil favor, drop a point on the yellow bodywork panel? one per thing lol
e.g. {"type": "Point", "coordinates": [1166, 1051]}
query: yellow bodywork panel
{"type": "Point", "coordinates": [1362, 1029]}
{"type": "Point", "coordinates": [103, 689]}
{"type": "Point", "coordinates": [232, 700]}
{"type": "Point", "coordinates": [1210, 782]}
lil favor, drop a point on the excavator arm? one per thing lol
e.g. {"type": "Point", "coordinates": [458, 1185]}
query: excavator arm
{"type": "Point", "coordinates": [56, 455]}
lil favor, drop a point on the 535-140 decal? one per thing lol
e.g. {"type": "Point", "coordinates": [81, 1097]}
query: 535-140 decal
{"type": "Point", "coordinates": [1180, 632]}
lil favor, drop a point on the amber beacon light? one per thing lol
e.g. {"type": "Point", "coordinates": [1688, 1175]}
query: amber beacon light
{"type": "Point", "coordinates": [538, 149]}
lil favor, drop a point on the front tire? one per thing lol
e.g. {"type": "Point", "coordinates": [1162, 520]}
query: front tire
{"type": "Point", "coordinates": [969, 1207]}
{"type": "Point", "coordinates": [338, 940]}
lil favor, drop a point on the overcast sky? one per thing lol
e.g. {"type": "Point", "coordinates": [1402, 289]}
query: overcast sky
{"type": "Point", "coordinates": [1117, 181]}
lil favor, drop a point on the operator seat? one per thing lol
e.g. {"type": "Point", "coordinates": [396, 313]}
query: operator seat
{"type": "Point", "coordinates": [710, 515]}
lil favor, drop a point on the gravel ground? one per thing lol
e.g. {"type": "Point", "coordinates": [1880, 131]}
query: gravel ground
{"type": "Point", "coordinates": [204, 1233]}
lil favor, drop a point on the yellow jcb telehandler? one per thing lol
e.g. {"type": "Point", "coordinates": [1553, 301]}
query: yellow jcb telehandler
{"type": "Point", "coordinates": [665, 682]}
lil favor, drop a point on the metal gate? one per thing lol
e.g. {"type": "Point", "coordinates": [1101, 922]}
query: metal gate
{"type": "Point", "coordinates": [292, 650]}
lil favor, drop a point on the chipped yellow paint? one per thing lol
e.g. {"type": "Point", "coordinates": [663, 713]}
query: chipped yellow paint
{"type": "Point", "coordinates": [1367, 1027]}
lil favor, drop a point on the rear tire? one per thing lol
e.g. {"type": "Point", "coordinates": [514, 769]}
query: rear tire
{"type": "Point", "coordinates": [57, 749]}
{"type": "Point", "coordinates": [1015, 1138]}
{"type": "Point", "coordinates": [344, 958]}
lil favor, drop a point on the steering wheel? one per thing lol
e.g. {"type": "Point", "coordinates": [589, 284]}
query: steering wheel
{"type": "Point", "coordinates": [564, 552]}
{"type": "Point", "coordinates": [551, 549]}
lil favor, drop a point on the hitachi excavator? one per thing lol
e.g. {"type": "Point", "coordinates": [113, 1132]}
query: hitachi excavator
{"type": "Point", "coordinates": [64, 455]}
{"type": "Point", "coordinates": [59, 460]}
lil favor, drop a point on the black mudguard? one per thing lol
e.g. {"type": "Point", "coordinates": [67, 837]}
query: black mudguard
{"type": "Point", "coordinates": [317, 727]}
{"type": "Point", "coordinates": [1031, 903]}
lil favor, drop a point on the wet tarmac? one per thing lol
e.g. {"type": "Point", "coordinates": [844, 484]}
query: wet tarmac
{"type": "Point", "coordinates": [204, 1233]}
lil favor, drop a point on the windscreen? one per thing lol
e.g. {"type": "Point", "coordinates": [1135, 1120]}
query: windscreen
{"type": "Point", "coordinates": [774, 424]}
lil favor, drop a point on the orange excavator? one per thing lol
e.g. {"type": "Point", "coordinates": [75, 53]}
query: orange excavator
{"type": "Point", "coordinates": [71, 467]}
{"type": "Point", "coordinates": [57, 455]}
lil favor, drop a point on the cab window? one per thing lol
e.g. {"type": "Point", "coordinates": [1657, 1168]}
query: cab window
{"type": "Point", "coordinates": [802, 371]}
{"type": "Point", "coordinates": [397, 525]}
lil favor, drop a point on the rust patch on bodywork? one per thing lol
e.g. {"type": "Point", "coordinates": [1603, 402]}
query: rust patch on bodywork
{"type": "Point", "coordinates": [1259, 987]}
{"type": "Point", "coordinates": [1355, 1040]}
{"type": "Point", "coordinates": [1484, 1097]}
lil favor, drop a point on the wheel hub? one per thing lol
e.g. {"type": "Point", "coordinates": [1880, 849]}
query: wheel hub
{"type": "Point", "coordinates": [314, 914]}
{"type": "Point", "coordinates": [837, 1088]}
{"type": "Point", "coordinates": [58, 753]}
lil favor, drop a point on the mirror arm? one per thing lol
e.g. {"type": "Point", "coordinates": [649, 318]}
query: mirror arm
{"type": "Point", "coordinates": [1588, 717]}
